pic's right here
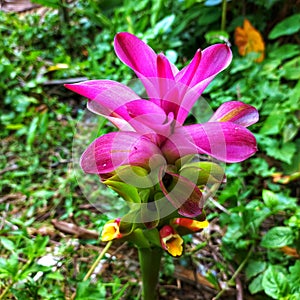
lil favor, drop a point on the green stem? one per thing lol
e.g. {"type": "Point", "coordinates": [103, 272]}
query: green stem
{"type": "Point", "coordinates": [150, 263]}
{"type": "Point", "coordinates": [236, 273]}
{"type": "Point", "coordinates": [6, 290]}
{"type": "Point", "coordinates": [224, 9]}
{"type": "Point", "coordinates": [97, 261]}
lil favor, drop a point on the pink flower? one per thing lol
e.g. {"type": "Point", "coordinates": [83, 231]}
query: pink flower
{"type": "Point", "coordinates": [151, 132]}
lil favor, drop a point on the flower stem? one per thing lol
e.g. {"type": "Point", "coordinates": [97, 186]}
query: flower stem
{"type": "Point", "coordinates": [224, 9]}
{"type": "Point", "coordinates": [234, 276]}
{"type": "Point", "coordinates": [97, 261]}
{"type": "Point", "coordinates": [150, 263]}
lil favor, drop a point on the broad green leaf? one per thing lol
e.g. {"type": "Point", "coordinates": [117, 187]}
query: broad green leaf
{"type": "Point", "coordinates": [285, 51]}
{"type": "Point", "coordinates": [278, 201]}
{"type": "Point", "coordinates": [254, 267]}
{"type": "Point", "coordinates": [294, 277]}
{"type": "Point", "coordinates": [288, 26]}
{"type": "Point", "coordinates": [278, 237]}
{"type": "Point", "coordinates": [213, 37]}
{"type": "Point", "coordinates": [87, 291]}
{"type": "Point", "coordinates": [7, 244]}
{"type": "Point", "coordinates": [275, 283]}
{"type": "Point", "coordinates": [291, 69]}
{"type": "Point", "coordinates": [273, 123]}
{"type": "Point", "coordinates": [164, 25]}
{"type": "Point", "coordinates": [284, 153]}
{"type": "Point", "coordinates": [55, 275]}
{"type": "Point", "coordinates": [256, 284]}
{"type": "Point", "coordinates": [270, 198]}
{"type": "Point", "coordinates": [290, 130]}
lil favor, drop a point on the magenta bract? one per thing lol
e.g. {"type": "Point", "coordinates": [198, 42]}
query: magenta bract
{"type": "Point", "coordinates": [151, 131]}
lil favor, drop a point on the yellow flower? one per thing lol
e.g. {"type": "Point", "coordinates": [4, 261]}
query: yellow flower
{"type": "Point", "coordinates": [111, 231]}
{"type": "Point", "coordinates": [249, 40]}
{"type": "Point", "coordinates": [171, 241]}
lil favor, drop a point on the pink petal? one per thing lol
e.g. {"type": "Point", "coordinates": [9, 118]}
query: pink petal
{"type": "Point", "coordinates": [184, 195]}
{"type": "Point", "coordinates": [146, 117]}
{"type": "Point", "coordinates": [115, 93]}
{"type": "Point", "coordinates": [237, 112]}
{"type": "Point", "coordinates": [106, 97]}
{"type": "Point", "coordinates": [155, 71]}
{"type": "Point", "coordinates": [164, 69]}
{"type": "Point", "coordinates": [186, 75]}
{"type": "Point", "coordinates": [199, 73]}
{"type": "Point", "coordinates": [115, 149]}
{"type": "Point", "coordinates": [214, 59]}
{"type": "Point", "coordinates": [225, 141]}
{"type": "Point", "coordinates": [136, 54]}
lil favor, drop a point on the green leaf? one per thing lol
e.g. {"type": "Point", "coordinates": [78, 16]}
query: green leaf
{"type": "Point", "coordinates": [290, 130]}
{"type": "Point", "coordinates": [7, 244]}
{"type": "Point", "coordinates": [278, 237]}
{"type": "Point", "coordinates": [254, 267]}
{"type": "Point", "coordinates": [213, 37]}
{"type": "Point", "coordinates": [285, 51]}
{"type": "Point", "coordinates": [164, 25]}
{"type": "Point", "coordinates": [278, 201]}
{"type": "Point", "coordinates": [31, 135]}
{"type": "Point", "coordinates": [256, 284]}
{"type": "Point", "coordinates": [294, 277]}
{"type": "Point", "coordinates": [56, 276]}
{"type": "Point", "coordinates": [284, 153]}
{"type": "Point", "coordinates": [288, 26]}
{"type": "Point", "coordinates": [275, 283]}
{"type": "Point", "coordinates": [273, 123]}
{"type": "Point", "coordinates": [291, 69]}
{"type": "Point", "coordinates": [87, 291]}
{"type": "Point", "coordinates": [48, 3]}
{"type": "Point", "coordinates": [270, 198]}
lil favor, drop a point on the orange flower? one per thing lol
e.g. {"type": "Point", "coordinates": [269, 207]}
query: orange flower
{"type": "Point", "coordinates": [249, 40]}
{"type": "Point", "coordinates": [190, 224]}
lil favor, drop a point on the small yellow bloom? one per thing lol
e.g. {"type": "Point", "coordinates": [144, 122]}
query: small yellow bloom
{"type": "Point", "coordinates": [249, 40]}
{"type": "Point", "coordinates": [171, 241]}
{"type": "Point", "coordinates": [111, 231]}
{"type": "Point", "coordinates": [174, 244]}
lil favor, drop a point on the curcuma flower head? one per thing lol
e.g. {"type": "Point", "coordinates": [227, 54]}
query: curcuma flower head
{"type": "Point", "coordinates": [155, 161]}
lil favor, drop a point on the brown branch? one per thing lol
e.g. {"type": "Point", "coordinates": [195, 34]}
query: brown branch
{"type": "Point", "coordinates": [73, 229]}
